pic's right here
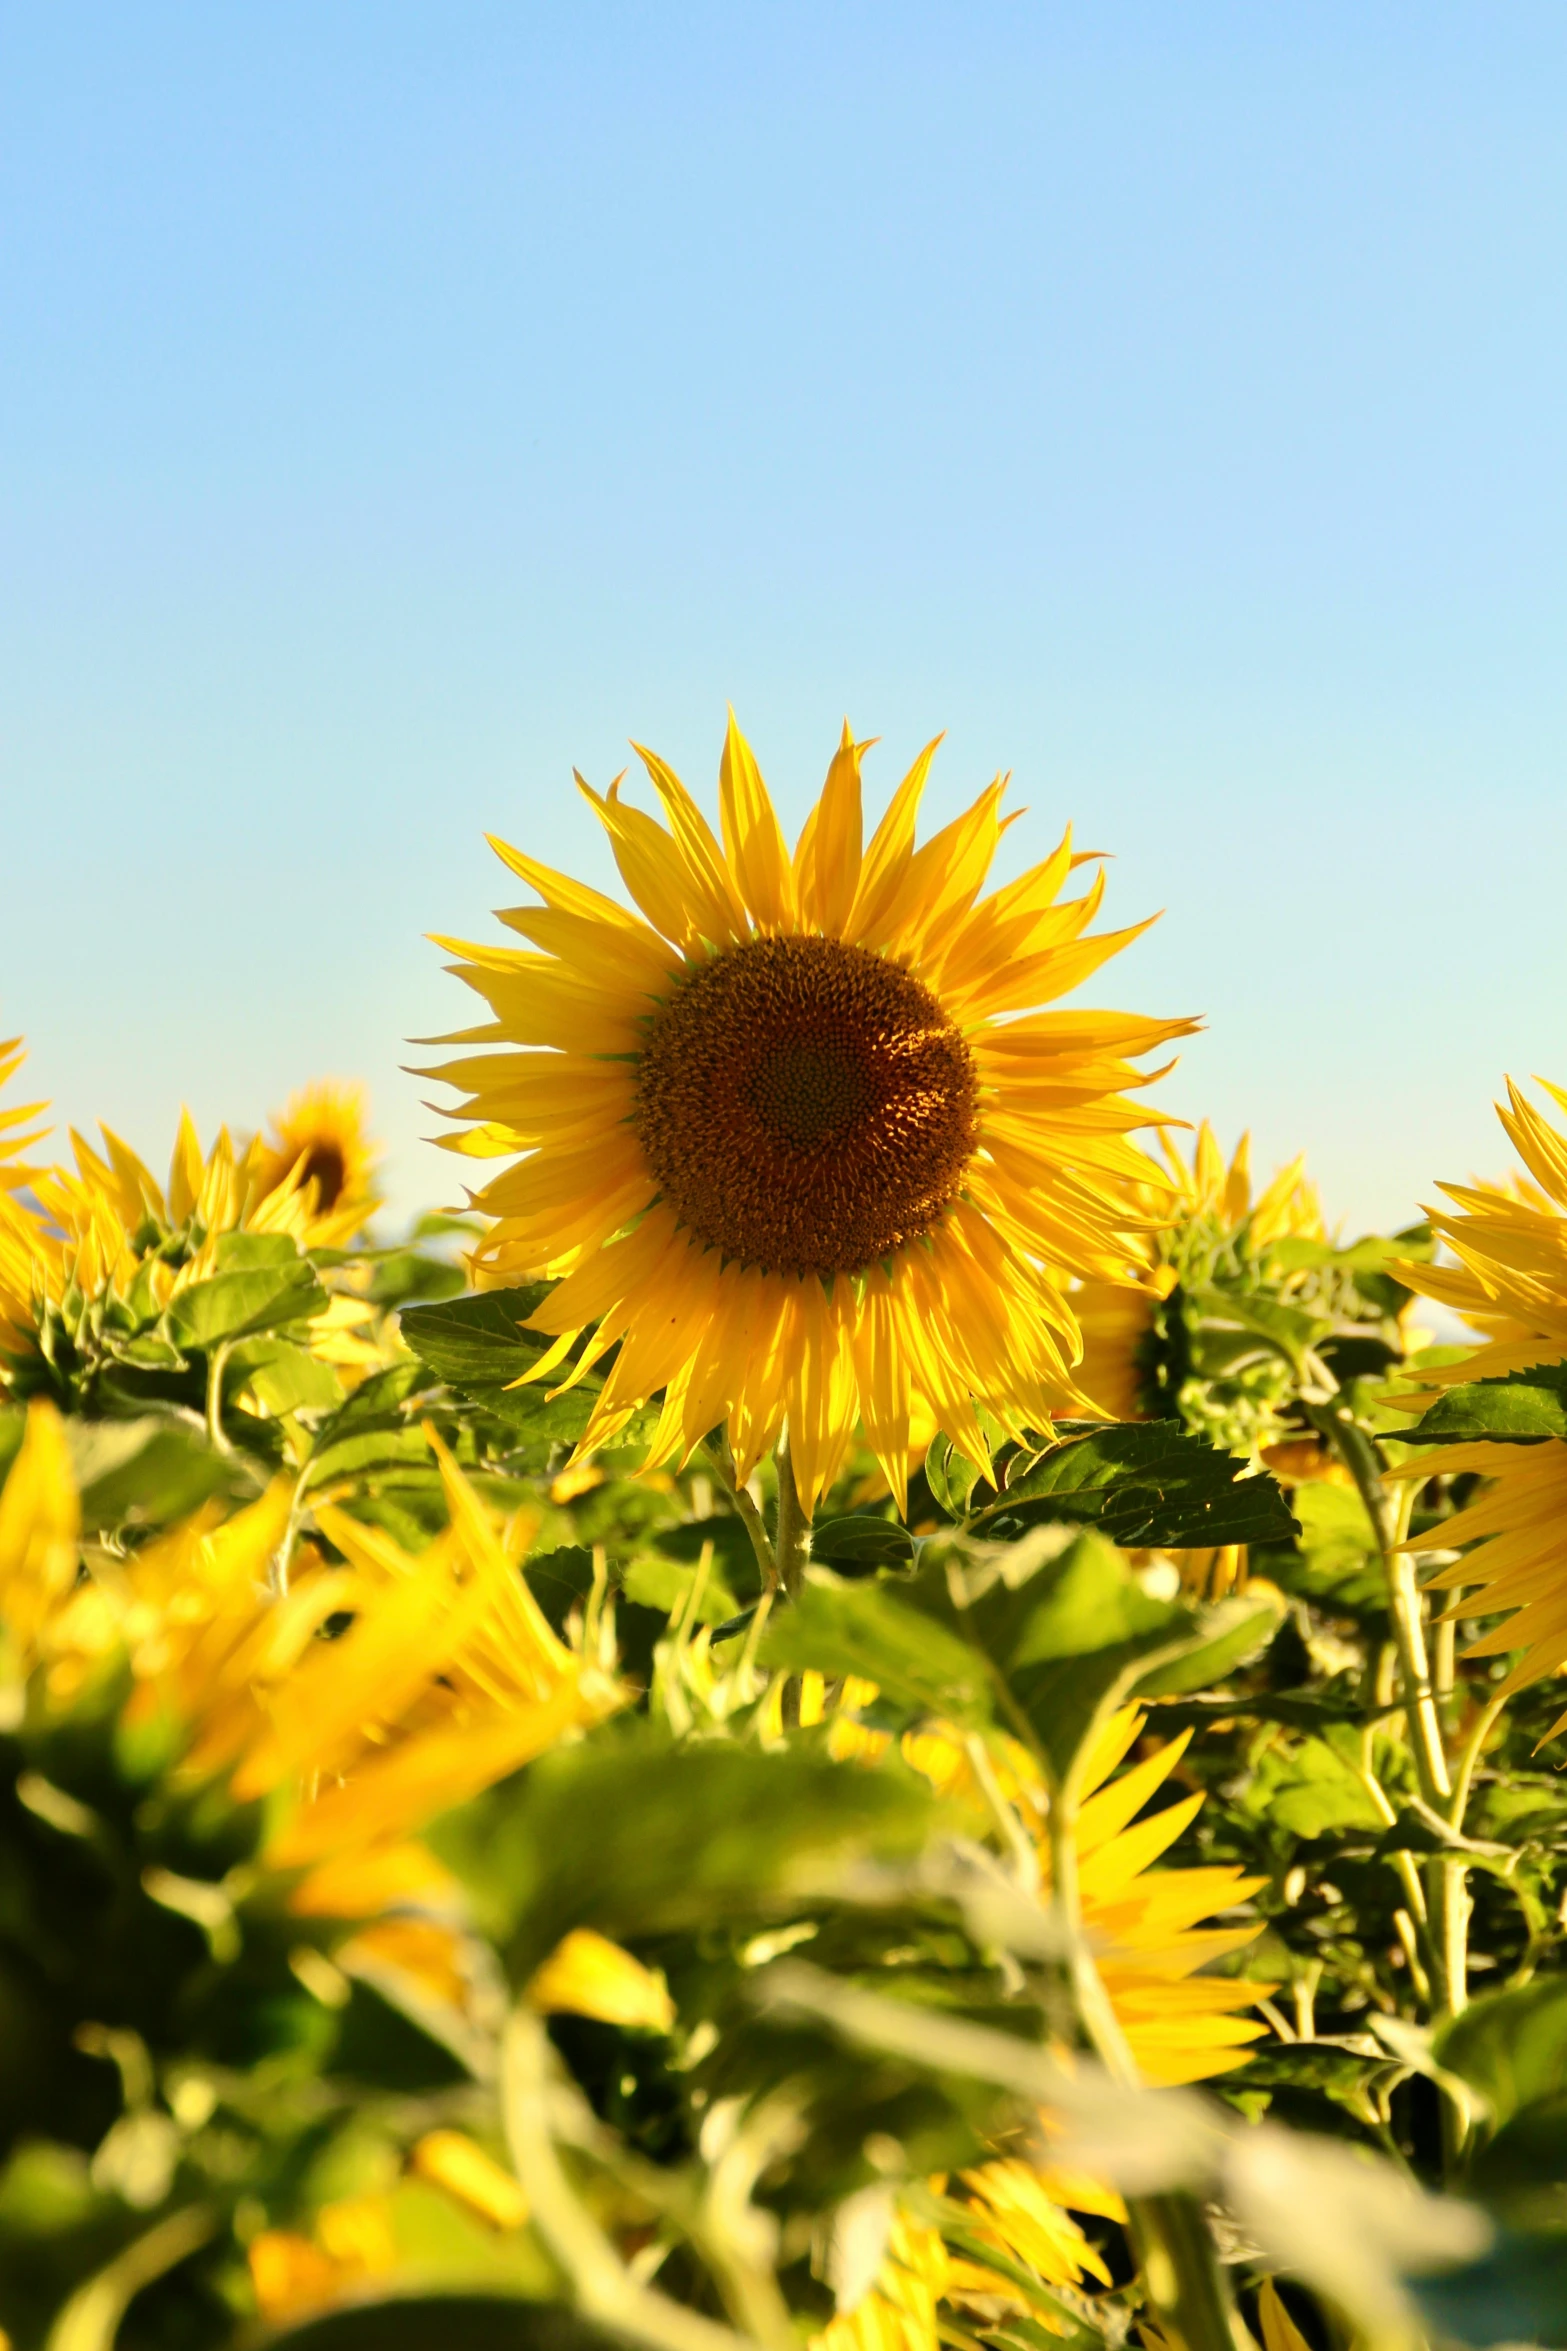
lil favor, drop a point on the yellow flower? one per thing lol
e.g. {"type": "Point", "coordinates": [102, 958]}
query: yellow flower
{"type": "Point", "coordinates": [105, 1230]}
{"type": "Point", "coordinates": [1511, 1244]}
{"type": "Point", "coordinates": [1510, 1282]}
{"type": "Point", "coordinates": [442, 1678]}
{"type": "Point", "coordinates": [40, 1526]}
{"type": "Point", "coordinates": [320, 1140]}
{"type": "Point", "coordinates": [1143, 1924]}
{"type": "Point", "coordinates": [799, 1140]}
{"type": "Point", "coordinates": [1145, 1928]}
{"type": "Point", "coordinates": [1117, 1322]}
{"type": "Point", "coordinates": [459, 2165]}
{"type": "Point", "coordinates": [588, 1975]}
{"type": "Point", "coordinates": [14, 1170]}
{"type": "Point", "coordinates": [1517, 1563]}
{"type": "Point", "coordinates": [22, 1233]}
{"type": "Point", "coordinates": [900, 2311]}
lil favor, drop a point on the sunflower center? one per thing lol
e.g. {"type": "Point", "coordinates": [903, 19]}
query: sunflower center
{"type": "Point", "coordinates": [805, 1106]}
{"type": "Point", "coordinates": [325, 1164]}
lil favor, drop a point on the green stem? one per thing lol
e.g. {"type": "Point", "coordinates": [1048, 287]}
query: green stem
{"type": "Point", "coordinates": [1182, 2275]}
{"type": "Point", "coordinates": [1390, 1524]}
{"type": "Point", "coordinates": [792, 1542]}
{"type": "Point", "coordinates": [217, 1365]}
{"type": "Point", "coordinates": [605, 2290]}
{"type": "Point", "coordinates": [1473, 1749]}
{"type": "Point", "coordinates": [722, 1463]}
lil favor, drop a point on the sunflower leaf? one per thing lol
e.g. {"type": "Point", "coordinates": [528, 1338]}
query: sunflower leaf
{"type": "Point", "coordinates": [1146, 1485]}
{"type": "Point", "coordinates": [861, 1629]}
{"type": "Point", "coordinates": [856, 1545]}
{"type": "Point", "coordinates": [1524, 1407]}
{"type": "Point", "coordinates": [1510, 2047]}
{"type": "Point", "coordinates": [478, 1342]}
{"type": "Point", "coordinates": [631, 1835]}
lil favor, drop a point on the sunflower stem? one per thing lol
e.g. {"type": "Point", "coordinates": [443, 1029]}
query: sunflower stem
{"type": "Point", "coordinates": [217, 1364]}
{"type": "Point", "coordinates": [792, 1542]}
{"type": "Point", "coordinates": [722, 1463]}
{"type": "Point", "coordinates": [604, 2288]}
{"type": "Point", "coordinates": [1390, 1524]}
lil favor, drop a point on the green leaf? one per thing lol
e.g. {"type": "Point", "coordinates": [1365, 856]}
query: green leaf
{"type": "Point", "coordinates": [480, 1342]}
{"type": "Point", "coordinates": [1288, 1330]}
{"type": "Point", "coordinates": [1524, 1407]}
{"type": "Point", "coordinates": [951, 1477]}
{"type": "Point", "coordinates": [1148, 1485]}
{"type": "Point", "coordinates": [284, 1377]}
{"type": "Point", "coordinates": [1336, 1562]}
{"type": "Point", "coordinates": [1510, 2046]}
{"type": "Point", "coordinates": [262, 1284]}
{"type": "Point", "coordinates": [1071, 1632]}
{"type": "Point", "coordinates": [407, 1277]}
{"type": "Point", "coordinates": [858, 1628]}
{"type": "Point", "coordinates": [632, 1836]}
{"type": "Point", "coordinates": [1309, 1791]}
{"type": "Point", "coordinates": [375, 1426]}
{"type": "Point", "coordinates": [1233, 1632]}
{"type": "Point", "coordinates": [481, 1345]}
{"type": "Point", "coordinates": [655, 1582]}
{"type": "Point", "coordinates": [857, 1545]}
{"type": "Point", "coordinates": [148, 1472]}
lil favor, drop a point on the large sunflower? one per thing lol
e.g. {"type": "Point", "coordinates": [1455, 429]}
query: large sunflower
{"type": "Point", "coordinates": [1510, 1282]}
{"type": "Point", "coordinates": [798, 1138]}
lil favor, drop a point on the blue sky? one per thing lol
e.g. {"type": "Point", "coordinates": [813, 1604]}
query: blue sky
{"type": "Point", "coordinates": [400, 404]}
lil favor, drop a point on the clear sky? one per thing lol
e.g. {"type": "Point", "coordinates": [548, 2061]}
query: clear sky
{"type": "Point", "coordinates": [402, 403]}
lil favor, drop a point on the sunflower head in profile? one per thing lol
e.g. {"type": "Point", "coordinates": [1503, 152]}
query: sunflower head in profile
{"type": "Point", "coordinates": [321, 1141]}
{"type": "Point", "coordinates": [797, 1136]}
{"type": "Point", "coordinates": [1508, 1279]}
{"type": "Point", "coordinates": [1135, 1358]}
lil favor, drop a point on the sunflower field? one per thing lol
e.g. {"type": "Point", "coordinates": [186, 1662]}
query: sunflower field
{"type": "Point", "coordinates": [871, 1701]}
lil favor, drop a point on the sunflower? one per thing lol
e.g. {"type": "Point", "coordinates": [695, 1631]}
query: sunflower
{"type": "Point", "coordinates": [1151, 1946]}
{"type": "Point", "coordinates": [105, 1231]}
{"type": "Point", "coordinates": [443, 1677]}
{"type": "Point", "coordinates": [15, 1137]}
{"type": "Point", "coordinates": [1510, 1283]}
{"type": "Point", "coordinates": [1212, 1203]}
{"type": "Point", "coordinates": [320, 1140]}
{"type": "Point", "coordinates": [798, 1141]}
{"type": "Point", "coordinates": [1510, 1241]}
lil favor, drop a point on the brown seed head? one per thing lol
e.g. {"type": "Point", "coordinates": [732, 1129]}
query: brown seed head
{"type": "Point", "coordinates": [806, 1106]}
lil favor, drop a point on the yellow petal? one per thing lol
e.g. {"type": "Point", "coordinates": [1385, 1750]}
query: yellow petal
{"type": "Point", "coordinates": [587, 1975]}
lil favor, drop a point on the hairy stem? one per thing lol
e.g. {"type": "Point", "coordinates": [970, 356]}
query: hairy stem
{"type": "Point", "coordinates": [792, 1542]}
{"type": "Point", "coordinates": [722, 1463]}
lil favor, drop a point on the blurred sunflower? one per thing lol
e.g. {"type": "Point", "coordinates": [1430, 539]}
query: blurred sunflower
{"type": "Point", "coordinates": [1510, 1241]}
{"type": "Point", "coordinates": [105, 1235]}
{"type": "Point", "coordinates": [19, 1225]}
{"type": "Point", "coordinates": [1510, 1283]}
{"type": "Point", "coordinates": [799, 1142]}
{"type": "Point", "coordinates": [1146, 1929]}
{"type": "Point", "coordinates": [1212, 1209]}
{"type": "Point", "coordinates": [321, 1140]}
{"type": "Point", "coordinates": [357, 1705]}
